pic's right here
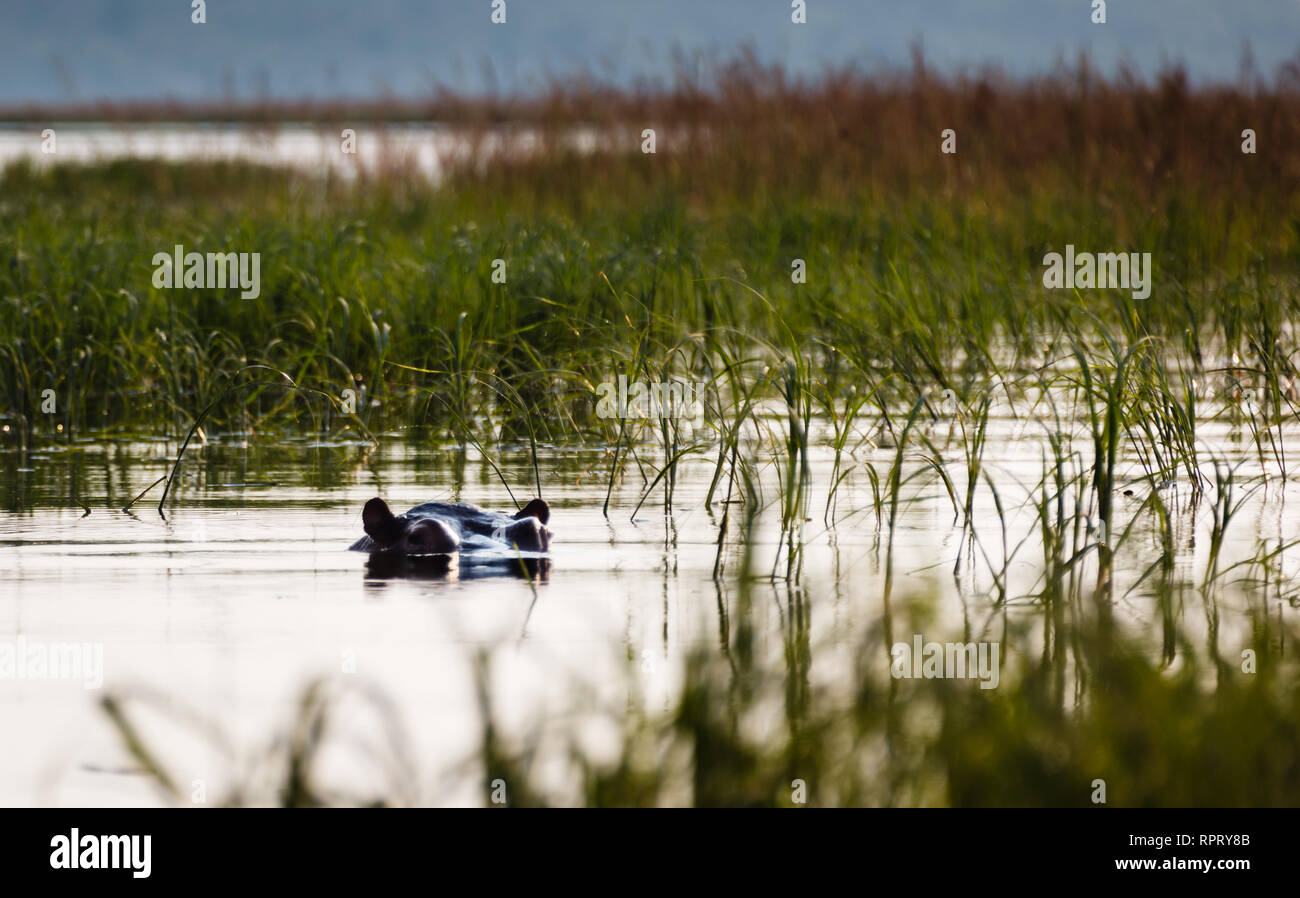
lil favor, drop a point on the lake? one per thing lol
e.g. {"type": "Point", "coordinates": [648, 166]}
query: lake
{"type": "Point", "coordinates": [370, 148]}
{"type": "Point", "coordinates": [213, 620]}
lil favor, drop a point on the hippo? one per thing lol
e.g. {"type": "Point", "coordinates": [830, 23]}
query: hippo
{"type": "Point", "coordinates": [442, 528]}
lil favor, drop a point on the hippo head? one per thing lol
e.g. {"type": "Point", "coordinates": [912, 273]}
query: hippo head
{"type": "Point", "coordinates": [429, 536]}
{"type": "Point", "coordinates": [402, 534]}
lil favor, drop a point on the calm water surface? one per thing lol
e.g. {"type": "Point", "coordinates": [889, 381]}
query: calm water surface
{"type": "Point", "coordinates": [223, 612]}
{"type": "Point", "coordinates": [373, 147]}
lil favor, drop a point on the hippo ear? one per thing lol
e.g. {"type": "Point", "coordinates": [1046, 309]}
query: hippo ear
{"type": "Point", "coordinates": [377, 520]}
{"type": "Point", "coordinates": [535, 509]}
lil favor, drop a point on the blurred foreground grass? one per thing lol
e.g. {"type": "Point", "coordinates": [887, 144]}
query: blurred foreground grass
{"type": "Point", "coordinates": [1089, 720]}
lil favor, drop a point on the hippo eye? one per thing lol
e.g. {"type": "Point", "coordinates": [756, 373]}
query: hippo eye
{"type": "Point", "coordinates": [429, 537]}
{"type": "Point", "coordinates": [422, 537]}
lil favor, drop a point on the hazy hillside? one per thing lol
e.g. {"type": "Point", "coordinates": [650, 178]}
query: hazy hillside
{"type": "Point", "coordinates": [87, 49]}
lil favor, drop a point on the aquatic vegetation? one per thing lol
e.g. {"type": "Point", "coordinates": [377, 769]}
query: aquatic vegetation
{"type": "Point", "coordinates": [921, 270]}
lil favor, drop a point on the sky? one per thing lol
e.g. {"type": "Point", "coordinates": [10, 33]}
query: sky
{"type": "Point", "coordinates": [84, 50]}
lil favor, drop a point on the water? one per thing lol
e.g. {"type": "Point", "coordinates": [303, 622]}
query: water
{"type": "Point", "coordinates": [218, 616]}
{"type": "Point", "coordinates": [425, 150]}
{"type": "Point", "coordinates": [247, 592]}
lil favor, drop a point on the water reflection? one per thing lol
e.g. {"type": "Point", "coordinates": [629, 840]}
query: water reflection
{"type": "Point", "coordinates": [382, 566]}
{"type": "Point", "coordinates": [247, 590]}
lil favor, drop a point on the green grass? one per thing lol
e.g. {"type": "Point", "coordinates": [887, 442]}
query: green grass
{"type": "Point", "coordinates": [933, 283]}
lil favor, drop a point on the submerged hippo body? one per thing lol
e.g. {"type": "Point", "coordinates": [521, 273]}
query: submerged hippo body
{"type": "Point", "coordinates": [442, 528]}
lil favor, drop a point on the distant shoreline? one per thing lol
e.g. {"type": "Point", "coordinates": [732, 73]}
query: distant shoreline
{"type": "Point", "coordinates": [582, 101]}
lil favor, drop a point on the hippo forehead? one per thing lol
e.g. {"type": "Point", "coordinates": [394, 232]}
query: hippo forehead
{"type": "Point", "coordinates": [461, 516]}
